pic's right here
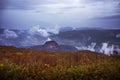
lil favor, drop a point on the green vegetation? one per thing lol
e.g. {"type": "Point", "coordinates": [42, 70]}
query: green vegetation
{"type": "Point", "coordinates": [28, 64]}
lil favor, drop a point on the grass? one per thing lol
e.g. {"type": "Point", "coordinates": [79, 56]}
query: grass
{"type": "Point", "coordinates": [28, 64]}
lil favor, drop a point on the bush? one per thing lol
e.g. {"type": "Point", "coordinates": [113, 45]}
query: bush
{"type": "Point", "coordinates": [26, 64]}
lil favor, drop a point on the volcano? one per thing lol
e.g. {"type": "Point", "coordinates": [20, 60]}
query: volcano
{"type": "Point", "coordinates": [53, 46]}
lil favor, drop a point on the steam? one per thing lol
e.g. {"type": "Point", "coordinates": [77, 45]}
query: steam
{"type": "Point", "coordinates": [90, 47]}
{"type": "Point", "coordinates": [9, 34]}
{"type": "Point", "coordinates": [109, 49]}
{"type": "Point", "coordinates": [36, 30]}
{"type": "Point", "coordinates": [48, 39]}
{"type": "Point", "coordinates": [106, 48]}
{"type": "Point", "coordinates": [38, 36]}
{"type": "Point", "coordinates": [54, 30]}
{"type": "Point", "coordinates": [44, 32]}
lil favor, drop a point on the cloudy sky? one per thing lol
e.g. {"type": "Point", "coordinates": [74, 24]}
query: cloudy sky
{"type": "Point", "coordinates": [23, 14]}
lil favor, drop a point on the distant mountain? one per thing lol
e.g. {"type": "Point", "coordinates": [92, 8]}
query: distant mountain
{"type": "Point", "coordinates": [53, 46]}
{"type": "Point", "coordinates": [88, 36]}
{"type": "Point", "coordinates": [89, 28]}
{"type": "Point", "coordinates": [63, 29]}
{"type": "Point", "coordinates": [1, 31]}
{"type": "Point", "coordinates": [82, 39]}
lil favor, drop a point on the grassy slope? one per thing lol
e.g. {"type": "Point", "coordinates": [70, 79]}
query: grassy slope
{"type": "Point", "coordinates": [28, 64]}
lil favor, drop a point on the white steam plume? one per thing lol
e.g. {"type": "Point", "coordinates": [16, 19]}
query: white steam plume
{"type": "Point", "coordinates": [36, 30]}
{"type": "Point", "coordinates": [48, 39]}
{"type": "Point", "coordinates": [91, 47]}
{"type": "Point", "coordinates": [106, 49]}
{"type": "Point", "coordinates": [54, 30]}
{"type": "Point", "coordinates": [9, 34]}
{"type": "Point", "coordinates": [44, 32]}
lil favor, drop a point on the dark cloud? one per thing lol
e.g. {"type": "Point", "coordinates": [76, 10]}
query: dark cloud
{"type": "Point", "coordinates": [20, 4]}
{"type": "Point", "coordinates": [61, 12]}
{"type": "Point", "coordinates": [28, 4]}
{"type": "Point", "coordinates": [13, 4]}
{"type": "Point", "coordinates": [3, 4]}
{"type": "Point", "coordinates": [99, 0]}
{"type": "Point", "coordinates": [8, 4]}
{"type": "Point", "coordinates": [110, 17]}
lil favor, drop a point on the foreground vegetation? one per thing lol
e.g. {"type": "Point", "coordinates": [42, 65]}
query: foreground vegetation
{"type": "Point", "coordinates": [28, 64]}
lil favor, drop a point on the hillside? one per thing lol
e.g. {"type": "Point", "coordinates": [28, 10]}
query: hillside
{"type": "Point", "coordinates": [53, 46]}
{"type": "Point", "coordinates": [89, 36]}
{"type": "Point", "coordinates": [29, 64]}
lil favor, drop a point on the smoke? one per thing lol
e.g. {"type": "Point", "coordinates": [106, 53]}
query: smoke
{"type": "Point", "coordinates": [48, 39]}
{"type": "Point", "coordinates": [36, 30]}
{"type": "Point", "coordinates": [44, 32]}
{"type": "Point", "coordinates": [9, 34]}
{"type": "Point", "coordinates": [90, 47]}
{"type": "Point", "coordinates": [54, 30]}
{"type": "Point", "coordinates": [105, 48]}
{"type": "Point", "coordinates": [38, 36]}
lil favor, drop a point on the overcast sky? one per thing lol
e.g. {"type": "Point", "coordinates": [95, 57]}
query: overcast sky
{"type": "Point", "coordinates": [23, 14]}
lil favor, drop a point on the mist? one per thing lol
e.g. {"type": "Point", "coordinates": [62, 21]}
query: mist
{"type": "Point", "coordinates": [88, 39]}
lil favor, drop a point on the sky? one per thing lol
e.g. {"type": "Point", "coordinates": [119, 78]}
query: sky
{"type": "Point", "coordinates": [24, 14]}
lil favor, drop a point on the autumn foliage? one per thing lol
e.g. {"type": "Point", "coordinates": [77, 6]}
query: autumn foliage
{"type": "Point", "coordinates": [28, 64]}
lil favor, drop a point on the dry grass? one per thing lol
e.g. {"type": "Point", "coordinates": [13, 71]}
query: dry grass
{"type": "Point", "coordinates": [28, 64]}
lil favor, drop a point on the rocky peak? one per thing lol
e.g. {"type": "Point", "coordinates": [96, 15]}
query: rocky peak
{"type": "Point", "coordinates": [51, 45]}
